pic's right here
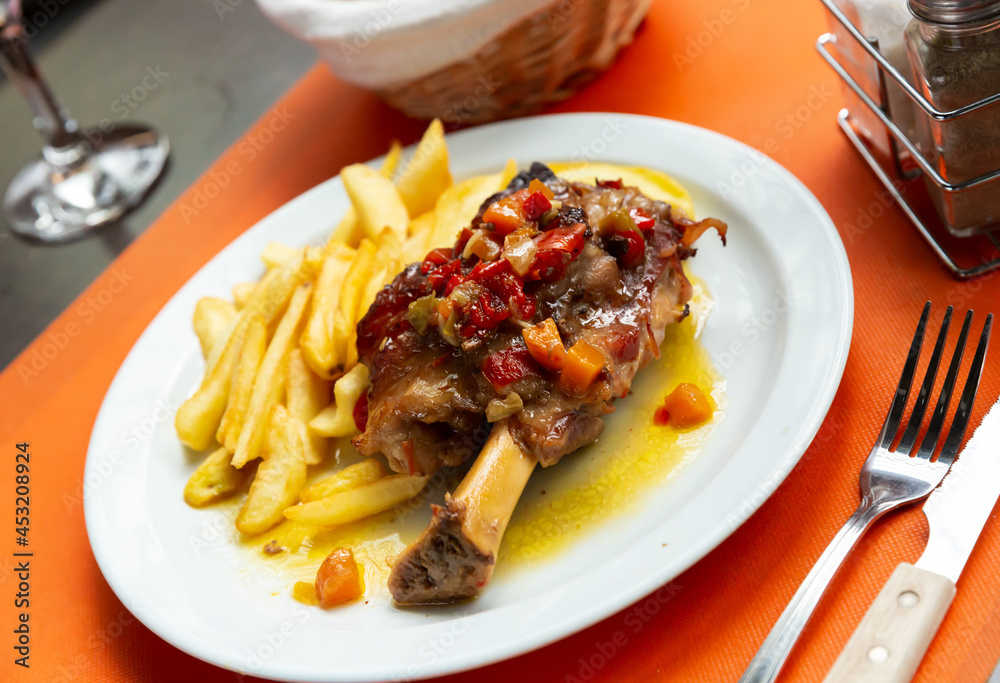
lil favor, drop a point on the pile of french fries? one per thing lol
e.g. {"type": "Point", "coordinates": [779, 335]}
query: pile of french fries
{"type": "Point", "coordinates": [281, 364]}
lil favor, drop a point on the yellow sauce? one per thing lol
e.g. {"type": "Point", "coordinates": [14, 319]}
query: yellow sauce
{"type": "Point", "coordinates": [564, 502]}
{"type": "Point", "coordinates": [561, 503]}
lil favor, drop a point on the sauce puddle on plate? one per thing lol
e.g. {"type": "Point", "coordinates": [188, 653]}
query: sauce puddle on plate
{"type": "Point", "coordinates": [561, 503]}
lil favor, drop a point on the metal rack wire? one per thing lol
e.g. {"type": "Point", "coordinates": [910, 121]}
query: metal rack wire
{"type": "Point", "coordinates": [966, 257]}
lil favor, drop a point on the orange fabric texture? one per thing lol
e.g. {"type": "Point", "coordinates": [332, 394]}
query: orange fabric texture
{"type": "Point", "coordinates": [746, 69]}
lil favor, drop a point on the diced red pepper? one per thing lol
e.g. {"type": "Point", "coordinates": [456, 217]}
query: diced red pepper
{"type": "Point", "coordinates": [361, 412]}
{"type": "Point", "coordinates": [485, 272]}
{"type": "Point", "coordinates": [642, 220]}
{"type": "Point", "coordinates": [661, 417]}
{"type": "Point", "coordinates": [613, 184]}
{"type": "Point", "coordinates": [556, 249]}
{"type": "Point", "coordinates": [440, 276]}
{"type": "Point", "coordinates": [569, 240]}
{"type": "Point", "coordinates": [509, 365]}
{"type": "Point", "coordinates": [626, 240]}
{"type": "Point", "coordinates": [437, 257]}
{"type": "Point", "coordinates": [488, 311]}
{"type": "Point", "coordinates": [535, 205]}
{"type": "Point", "coordinates": [635, 248]}
{"type": "Point", "coordinates": [454, 282]}
{"type": "Point", "coordinates": [499, 277]}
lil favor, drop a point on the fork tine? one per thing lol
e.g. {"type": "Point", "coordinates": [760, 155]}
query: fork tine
{"type": "Point", "coordinates": [933, 434]}
{"type": "Point", "coordinates": [961, 421]}
{"type": "Point", "coordinates": [923, 396]}
{"type": "Point", "coordinates": [898, 404]}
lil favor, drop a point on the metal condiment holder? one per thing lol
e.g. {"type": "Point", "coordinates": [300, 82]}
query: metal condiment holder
{"type": "Point", "coordinates": [953, 251]}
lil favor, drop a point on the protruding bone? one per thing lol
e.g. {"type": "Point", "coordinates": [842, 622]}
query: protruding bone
{"type": "Point", "coordinates": [454, 556]}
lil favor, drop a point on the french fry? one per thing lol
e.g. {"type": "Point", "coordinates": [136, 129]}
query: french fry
{"type": "Point", "coordinates": [337, 419]}
{"type": "Point", "coordinates": [357, 475]}
{"type": "Point", "coordinates": [427, 175]}
{"type": "Point", "coordinates": [375, 199]}
{"type": "Point", "coordinates": [383, 270]}
{"type": "Point", "coordinates": [457, 204]}
{"type": "Point", "coordinates": [218, 347]}
{"type": "Point", "coordinates": [242, 292]}
{"type": "Point", "coordinates": [248, 362]}
{"type": "Point", "coordinates": [349, 230]}
{"type": "Point", "coordinates": [317, 343]}
{"type": "Point", "coordinates": [279, 477]}
{"type": "Point", "coordinates": [353, 287]}
{"type": "Point", "coordinates": [509, 171]}
{"type": "Point", "coordinates": [277, 254]}
{"type": "Point", "coordinates": [307, 395]}
{"type": "Point", "coordinates": [269, 384]}
{"type": "Point", "coordinates": [349, 506]}
{"type": "Point", "coordinates": [198, 417]}
{"type": "Point", "coordinates": [212, 317]}
{"type": "Point", "coordinates": [213, 480]}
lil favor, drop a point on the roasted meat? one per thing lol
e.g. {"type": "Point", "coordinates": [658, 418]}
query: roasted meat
{"type": "Point", "coordinates": [447, 340]}
{"type": "Point", "coordinates": [537, 320]}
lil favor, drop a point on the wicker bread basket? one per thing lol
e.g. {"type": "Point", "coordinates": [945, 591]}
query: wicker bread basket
{"type": "Point", "coordinates": [468, 62]}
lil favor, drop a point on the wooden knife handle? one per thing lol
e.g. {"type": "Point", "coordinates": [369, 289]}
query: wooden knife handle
{"type": "Point", "coordinates": [890, 641]}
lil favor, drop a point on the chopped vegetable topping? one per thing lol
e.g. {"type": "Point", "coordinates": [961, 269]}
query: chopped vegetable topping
{"type": "Point", "coordinates": [338, 579]}
{"type": "Point", "coordinates": [580, 370]}
{"type": "Point", "coordinates": [642, 220]}
{"type": "Point", "coordinates": [420, 312]}
{"type": "Point", "coordinates": [535, 205]}
{"type": "Point", "coordinates": [498, 409]}
{"type": "Point", "coordinates": [545, 345]}
{"type": "Point", "coordinates": [557, 248]}
{"type": "Point", "coordinates": [625, 241]}
{"type": "Point", "coordinates": [537, 185]}
{"type": "Point", "coordinates": [507, 214]}
{"type": "Point", "coordinates": [509, 365]}
{"type": "Point", "coordinates": [685, 406]}
{"type": "Point", "coordinates": [613, 184]}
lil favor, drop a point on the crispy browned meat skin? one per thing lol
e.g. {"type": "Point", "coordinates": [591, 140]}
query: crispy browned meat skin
{"type": "Point", "coordinates": [428, 398]}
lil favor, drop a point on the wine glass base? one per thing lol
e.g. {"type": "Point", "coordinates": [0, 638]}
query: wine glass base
{"type": "Point", "coordinates": [53, 202]}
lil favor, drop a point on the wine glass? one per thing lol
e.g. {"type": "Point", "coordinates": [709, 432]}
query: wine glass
{"type": "Point", "coordinates": [83, 178]}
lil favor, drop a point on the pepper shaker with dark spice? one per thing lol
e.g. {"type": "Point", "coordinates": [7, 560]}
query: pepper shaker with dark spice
{"type": "Point", "coordinates": [954, 51]}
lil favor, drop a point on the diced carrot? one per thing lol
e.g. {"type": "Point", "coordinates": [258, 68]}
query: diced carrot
{"type": "Point", "coordinates": [545, 345]}
{"type": "Point", "coordinates": [537, 185]}
{"type": "Point", "coordinates": [687, 406]}
{"type": "Point", "coordinates": [338, 579]}
{"type": "Point", "coordinates": [582, 366]}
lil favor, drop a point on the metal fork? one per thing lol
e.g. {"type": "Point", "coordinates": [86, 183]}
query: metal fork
{"type": "Point", "coordinates": [888, 480]}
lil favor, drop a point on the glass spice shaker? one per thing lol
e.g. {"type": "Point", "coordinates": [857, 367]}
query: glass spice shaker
{"type": "Point", "coordinates": [954, 52]}
{"type": "Point", "coordinates": [886, 21]}
{"type": "Point", "coordinates": [883, 21]}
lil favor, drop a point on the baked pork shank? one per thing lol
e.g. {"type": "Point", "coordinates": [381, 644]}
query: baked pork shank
{"type": "Point", "coordinates": [536, 321]}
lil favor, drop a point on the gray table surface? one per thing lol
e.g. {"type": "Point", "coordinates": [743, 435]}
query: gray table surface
{"type": "Point", "coordinates": [222, 74]}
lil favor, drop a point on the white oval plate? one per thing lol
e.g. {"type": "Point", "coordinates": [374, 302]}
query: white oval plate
{"type": "Point", "coordinates": [779, 334]}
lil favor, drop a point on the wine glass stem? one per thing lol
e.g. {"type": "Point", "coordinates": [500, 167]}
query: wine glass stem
{"type": "Point", "coordinates": [49, 118]}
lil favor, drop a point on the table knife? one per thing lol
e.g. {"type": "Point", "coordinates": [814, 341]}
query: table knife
{"type": "Point", "coordinates": [890, 641]}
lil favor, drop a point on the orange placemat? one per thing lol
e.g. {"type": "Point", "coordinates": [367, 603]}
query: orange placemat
{"type": "Point", "coordinates": [745, 68]}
